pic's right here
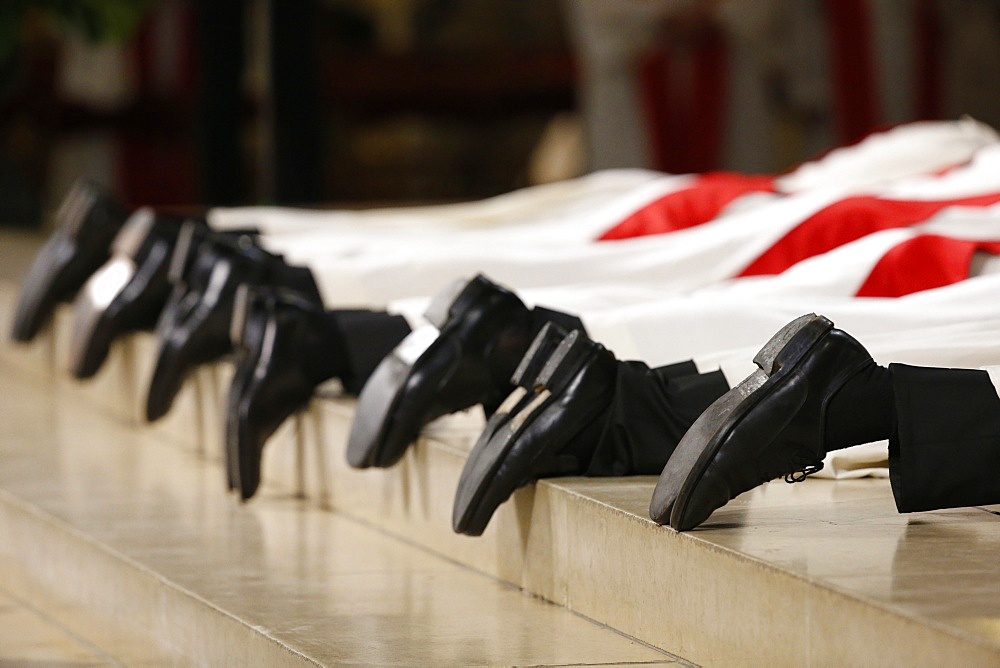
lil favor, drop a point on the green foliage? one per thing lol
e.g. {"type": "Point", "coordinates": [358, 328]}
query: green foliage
{"type": "Point", "coordinates": [97, 20]}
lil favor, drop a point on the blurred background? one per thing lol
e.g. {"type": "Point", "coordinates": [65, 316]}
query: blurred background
{"type": "Point", "coordinates": [377, 102]}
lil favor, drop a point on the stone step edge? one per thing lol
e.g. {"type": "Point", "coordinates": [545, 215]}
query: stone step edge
{"type": "Point", "coordinates": [535, 555]}
{"type": "Point", "coordinates": [492, 555]}
{"type": "Point", "coordinates": [63, 558]}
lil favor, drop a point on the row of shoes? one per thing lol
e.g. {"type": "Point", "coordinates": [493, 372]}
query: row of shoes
{"type": "Point", "coordinates": [557, 402]}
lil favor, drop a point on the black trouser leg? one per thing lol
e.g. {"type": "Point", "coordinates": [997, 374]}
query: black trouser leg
{"type": "Point", "coordinates": [651, 410]}
{"type": "Point", "coordinates": [367, 336]}
{"type": "Point", "coordinates": [944, 451]}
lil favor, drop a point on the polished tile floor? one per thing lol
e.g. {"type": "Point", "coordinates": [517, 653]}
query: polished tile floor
{"type": "Point", "coordinates": [27, 637]}
{"type": "Point", "coordinates": [17, 249]}
{"type": "Point", "coordinates": [332, 589]}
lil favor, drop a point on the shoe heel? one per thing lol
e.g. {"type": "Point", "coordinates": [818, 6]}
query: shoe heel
{"type": "Point", "coordinates": [89, 210]}
{"type": "Point", "coordinates": [768, 356]}
{"type": "Point", "coordinates": [541, 349]}
{"type": "Point", "coordinates": [183, 255]}
{"type": "Point", "coordinates": [75, 208]}
{"type": "Point", "coordinates": [440, 306]}
{"type": "Point", "coordinates": [459, 296]}
{"type": "Point", "coordinates": [531, 365]}
{"type": "Point", "coordinates": [563, 364]}
{"type": "Point", "coordinates": [241, 306]}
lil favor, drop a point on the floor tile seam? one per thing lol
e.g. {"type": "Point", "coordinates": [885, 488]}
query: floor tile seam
{"type": "Point", "coordinates": [58, 524]}
{"type": "Point", "coordinates": [61, 384]}
{"type": "Point", "coordinates": [958, 633]}
{"type": "Point", "coordinates": [87, 643]}
{"type": "Point", "coordinates": [506, 584]}
{"type": "Point", "coordinates": [616, 663]}
{"type": "Point", "coordinates": [387, 533]}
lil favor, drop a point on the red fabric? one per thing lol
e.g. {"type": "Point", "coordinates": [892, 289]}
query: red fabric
{"type": "Point", "coordinates": [922, 263]}
{"type": "Point", "coordinates": [853, 69]}
{"type": "Point", "coordinates": [156, 155]}
{"type": "Point", "coordinates": [847, 220]}
{"type": "Point", "coordinates": [688, 207]}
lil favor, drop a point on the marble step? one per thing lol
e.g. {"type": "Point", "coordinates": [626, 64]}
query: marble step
{"type": "Point", "coordinates": [819, 573]}
{"type": "Point", "coordinates": [40, 626]}
{"type": "Point", "coordinates": [132, 528]}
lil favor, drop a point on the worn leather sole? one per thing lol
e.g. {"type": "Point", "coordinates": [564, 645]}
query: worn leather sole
{"type": "Point", "coordinates": [525, 380]}
{"type": "Point", "coordinates": [776, 360]}
{"type": "Point", "coordinates": [434, 372]}
{"type": "Point", "coordinates": [547, 413]}
{"type": "Point", "coordinates": [391, 404]}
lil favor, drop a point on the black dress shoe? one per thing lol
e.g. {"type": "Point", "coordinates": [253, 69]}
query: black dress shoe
{"type": "Point", "coordinates": [192, 262]}
{"type": "Point", "coordinates": [582, 413]}
{"type": "Point", "coordinates": [87, 222]}
{"type": "Point", "coordinates": [770, 425]}
{"type": "Point", "coordinates": [484, 332]}
{"type": "Point", "coordinates": [287, 346]}
{"type": "Point", "coordinates": [525, 379]}
{"type": "Point", "coordinates": [128, 293]}
{"type": "Point", "coordinates": [194, 327]}
{"type": "Point", "coordinates": [546, 431]}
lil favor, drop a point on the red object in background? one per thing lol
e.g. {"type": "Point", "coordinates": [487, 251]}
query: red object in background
{"type": "Point", "coordinates": [156, 144]}
{"type": "Point", "coordinates": [156, 170]}
{"type": "Point", "coordinates": [684, 90]}
{"type": "Point", "coordinates": [852, 69]}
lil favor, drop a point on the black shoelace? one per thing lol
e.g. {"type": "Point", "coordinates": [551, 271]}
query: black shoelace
{"type": "Point", "coordinates": [805, 465]}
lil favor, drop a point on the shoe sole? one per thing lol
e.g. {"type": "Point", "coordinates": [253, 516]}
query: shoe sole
{"type": "Point", "coordinates": [371, 442]}
{"type": "Point", "coordinates": [525, 380]}
{"type": "Point", "coordinates": [169, 374]}
{"type": "Point", "coordinates": [61, 267]}
{"type": "Point", "coordinates": [479, 492]}
{"type": "Point", "coordinates": [525, 377]}
{"type": "Point", "coordinates": [140, 293]}
{"type": "Point", "coordinates": [698, 447]}
{"type": "Point", "coordinates": [184, 344]}
{"type": "Point", "coordinates": [389, 418]}
{"type": "Point", "coordinates": [91, 330]}
{"type": "Point", "coordinates": [261, 405]}
{"type": "Point", "coordinates": [246, 363]}
{"type": "Point", "coordinates": [375, 439]}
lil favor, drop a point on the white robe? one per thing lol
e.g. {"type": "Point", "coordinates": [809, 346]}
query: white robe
{"type": "Point", "coordinates": [545, 236]}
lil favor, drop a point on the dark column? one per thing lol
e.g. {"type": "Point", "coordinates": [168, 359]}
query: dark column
{"type": "Point", "coordinates": [220, 126]}
{"type": "Point", "coordinates": [298, 136]}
